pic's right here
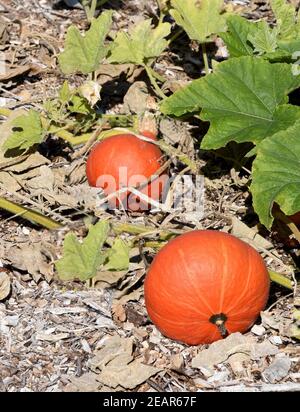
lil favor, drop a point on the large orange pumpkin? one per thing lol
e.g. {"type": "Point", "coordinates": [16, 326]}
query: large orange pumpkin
{"type": "Point", "coordinates": [124, 160]}
{"type": "Point", "coordinates": [204, 285]}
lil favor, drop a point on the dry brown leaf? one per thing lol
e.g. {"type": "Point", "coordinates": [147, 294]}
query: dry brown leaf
{"type": "Point", "coordinates": [33, 161]}
{"type": "Point", "coordinates": [4, 285]}
{"type": "Point", "coordinates": [107, 72]}
{"type": "Point", "coordinates": [127, 375]}
{"type": "Point", "coordinates": [117, 367]}
{"type": "Point", "coordinates": [113, 347]}
{"type": "Point", "coordinates": [137, 98]}
{"type": "Point", "coordinates": [43, 181]}
{"type": "Point", "coordinates": [30, 69]}
{"type": "Point", "coordinates": [118, 311]}
{"type": "Point", "coordinates": [9, 182]}
{"type": "Point", "coordinates": [249, 235]}
{"type": "Point", "coordinates": [221, 350]}
{"type": "Point", "coordinates": [85, 383]}
{"type": "Point", "coordinates": [30, 258]}
{"type": "Point", "coordinates": [4, 36]}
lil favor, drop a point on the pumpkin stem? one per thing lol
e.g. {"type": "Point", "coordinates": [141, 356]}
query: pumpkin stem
{"type": "Point", "coordinates": [219, 320]}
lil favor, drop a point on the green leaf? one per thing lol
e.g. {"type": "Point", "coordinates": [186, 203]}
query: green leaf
{"type": "Point", "coordinates": [236, 39]}
{"type": "Point", "coordinates": [276, 174]}
{"type": "Point", "coordinates": [84, 53]}
{"type": "Point", "coordinates": [245, 101]}
{"type": "Point", "coordinates": [79, 104]}
{"type": "Point", "coordinates": [264, 39]}
{"type": "Point", "coordinates": [287, 19]}
{"type": "Point", "coordinates": [199, 19]}
{"type": "Point", "coordinates": [118, 256]}
{"type": "Point", "coordinates": [65, 93]}
{"type": "Point", "coordinates": [82, 260]}
{"type": "Point", "coordinates": [141, 44]}
{"type": "Point", "coordinates": [26, 132]}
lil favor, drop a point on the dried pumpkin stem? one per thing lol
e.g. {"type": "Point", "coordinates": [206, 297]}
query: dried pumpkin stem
{"type": "Point", "coordinates": [220, 320]}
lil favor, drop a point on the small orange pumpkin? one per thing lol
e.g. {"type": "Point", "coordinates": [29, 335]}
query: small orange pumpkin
{"type": "Point", "coordinates": [204, 285]}
{"type": "Point", "coordinates": [124, 160]}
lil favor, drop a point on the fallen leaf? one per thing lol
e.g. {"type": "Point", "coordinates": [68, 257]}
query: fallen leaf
{"type": "Point", "coordinates": [136, 98]}
{"type": "Point", "coordinates": [249, 235]}
{"type": "Point", "coordinates": [221, 350]}
{"type": "Point", "coordinates": [9, 183]}
{"type": "Point", "coordinates": [278, 370]}
{"type": "Point", "coordinates": [129, 376]}
{"type": "Point", "coordinates": [85, 383]}
{"type": "Point", "coordinates": [117, 367]}
{"type": "Point", "coordinates": [4, 285]}
{"type": "Point", "coordinates": [30, 258]}
{"type": "Point", "coordinates": [112, 347]}
{"type": "Point", "coordinates": [32, 161]}
{"type": "Point", "coordinates": [19, 71]}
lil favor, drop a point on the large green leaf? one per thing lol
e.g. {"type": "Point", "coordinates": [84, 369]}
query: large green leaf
{"type": "Point", "coordinates": [84, 53]}
{"type": "Point", "coordinates": [264, 39]}
{"type": "Point", "coordinates": [26, 131]}
{"type": "Point", "coordinates": [82, 260]}
{"type": "Point", "coordinates": [276, 174]}
{"type": "Point", "coordinates": [141, 44]}
{"type": "Point", "coordinates": [245, 100]}
{"type": "Point", "coordinates": [236, 38]}
{"type": "Point", "coordinates": [287, 19]}
{"type": "Point", "coordinates": [199, 19]}
{"type": "Point", "coordinates": [247, 38]}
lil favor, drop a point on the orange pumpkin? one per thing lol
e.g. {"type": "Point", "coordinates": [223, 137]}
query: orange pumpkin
{"type": "Point", "coordinates": [204, 285]}
{"type": "Point", "coordinates": [124, 160]}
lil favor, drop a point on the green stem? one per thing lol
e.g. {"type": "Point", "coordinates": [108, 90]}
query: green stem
{"type": "Point", "coordinates": [157, 89]}
{"type": "Point", "coordinates": [136, 229]}
{"type": "Point", "coordinates": [156, 75]}
{"type": "Point", "coordinates": [281, 280]}
{"type": "Point", "coordinates": [28, 214]}
{"type": "Point", "coordinates": [176, 35]}
{"type": "Point", "coordinates": [93, 8]}
{"type": "Point", "coordinates": [154, 245]}
{"type": "Point", "coordinates": [205, 58]}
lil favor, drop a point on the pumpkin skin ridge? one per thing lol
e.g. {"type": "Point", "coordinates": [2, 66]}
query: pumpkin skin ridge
{"type": "Point", "coordinates": [230, 310]}
{"type": "Point", "coordinates": [234, 249]}
{"type": "Point", "coordinates": [196, 312]}
{"type": "Point", "coordinates": [200, 297]}
{"type": "Point", "coordinates": [224, 279]}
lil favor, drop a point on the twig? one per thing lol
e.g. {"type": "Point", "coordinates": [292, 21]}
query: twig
{"type": "Point", "coordinates": [93, 137]}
